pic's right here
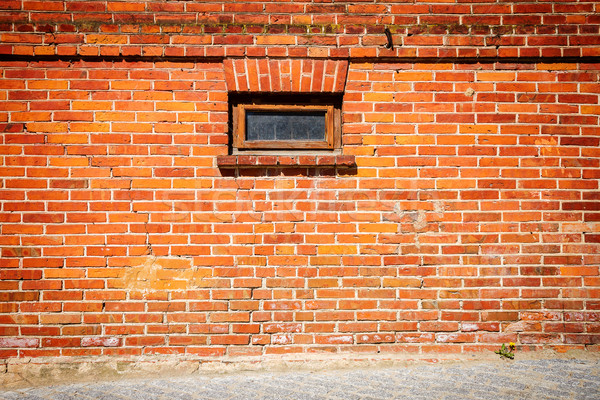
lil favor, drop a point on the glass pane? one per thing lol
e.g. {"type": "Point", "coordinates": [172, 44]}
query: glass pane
{"type": "Point", "coordinates": [284, 125]}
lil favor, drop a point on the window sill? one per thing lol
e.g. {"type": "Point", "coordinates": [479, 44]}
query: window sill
{"type": "Point", "coordinates": [261, 161]}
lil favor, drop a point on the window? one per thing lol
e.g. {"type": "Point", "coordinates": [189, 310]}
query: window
{"type": "Point", "coordinates": [294, 122]}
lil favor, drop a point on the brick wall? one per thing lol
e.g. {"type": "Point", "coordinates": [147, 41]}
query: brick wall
{"type": "Point", "coordinates": [470, 219]}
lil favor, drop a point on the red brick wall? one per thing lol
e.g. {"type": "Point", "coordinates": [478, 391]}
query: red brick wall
{"type": "Point", "coordinates": [463, 28]}
{"type": "Point", "coordinates": [471, 218]}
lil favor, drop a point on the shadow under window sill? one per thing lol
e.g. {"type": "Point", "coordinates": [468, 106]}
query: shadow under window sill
{"type": "Point", "coordinates": [285, 161]}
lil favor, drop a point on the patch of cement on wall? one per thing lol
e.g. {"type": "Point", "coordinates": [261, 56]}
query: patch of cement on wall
{"type": "Point", "coordinates": [163, 273]}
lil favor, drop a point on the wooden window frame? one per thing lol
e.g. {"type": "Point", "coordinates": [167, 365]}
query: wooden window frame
{"type": "Point", "coordinates": [332, 109]}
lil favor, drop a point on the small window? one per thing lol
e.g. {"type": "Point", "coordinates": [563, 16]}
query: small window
{"type": "Point", "coordinates": [291, 122]}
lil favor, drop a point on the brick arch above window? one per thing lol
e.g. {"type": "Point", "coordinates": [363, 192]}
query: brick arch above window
{"type": "Point", "coordinates": [285, 75]}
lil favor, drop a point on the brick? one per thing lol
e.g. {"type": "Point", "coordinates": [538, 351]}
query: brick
{"type": "Point", "coordinates": [18, 342]}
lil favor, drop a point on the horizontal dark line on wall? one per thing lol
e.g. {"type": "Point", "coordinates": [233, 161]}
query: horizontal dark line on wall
{"type": "Point", "coordinates": [424, 60]}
